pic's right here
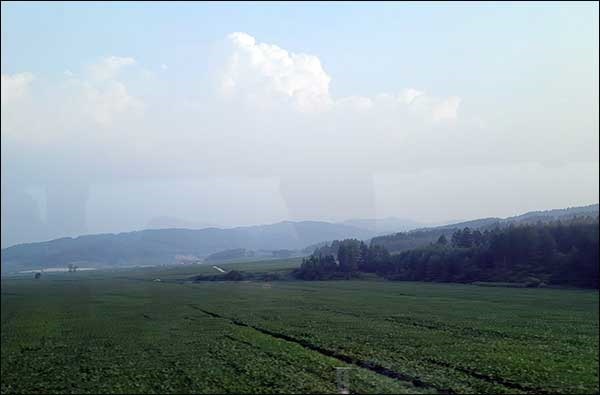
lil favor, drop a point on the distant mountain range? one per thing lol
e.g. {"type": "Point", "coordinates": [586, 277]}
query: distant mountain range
{"type": "Point", "coordinates": [178, 223]}
{"type": "Point", "coordinates": [386, 225]}
{"type": "Point", "coordinates": [529, 217]}
{"type": "Point", "coordinates": [165, 246]}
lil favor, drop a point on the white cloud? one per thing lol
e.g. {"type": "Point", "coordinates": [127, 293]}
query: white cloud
{"type": "Point", "coordinates": [355, 103]}
{"type": "Point", "coordinates": [111, 99]}
{"type": "Point", "coordinates": [446, 109]}
{"type": "Point", "coordinates": [101, 95]}
{"type": "Point", "coordinates": [75, 104]}
{"type": "Point", "coordinates": [429, 107]}
{"type": "Point", "coordinates": [15, 86]}
{"type": "Point", "coordinates": [108, 67]}
{"type": "Point", "coordinates": [100, 107]}
{"type": "Point", "coordinates": [265, 75]}
{"type": "Point", "coordinates": [409, 102]}
{"type": "Point", "coordinates": [409, 95]}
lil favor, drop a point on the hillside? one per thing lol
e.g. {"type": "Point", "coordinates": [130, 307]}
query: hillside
{"type": "Point", "coordinates": [556, 253]}
{"type": "Point", "coordinates": [385, 225]}
{"type": "Point", "coordinates": [163, 246]}
{"type": "Point", "coordinates": [408, 240]}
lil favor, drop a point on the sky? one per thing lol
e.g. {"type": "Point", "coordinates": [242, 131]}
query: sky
{"type": "Point", "coordinates": [124, 116]}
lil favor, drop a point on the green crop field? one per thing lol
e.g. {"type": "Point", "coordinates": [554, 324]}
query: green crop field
{"type": "Point", "coordinates": [121, 331]}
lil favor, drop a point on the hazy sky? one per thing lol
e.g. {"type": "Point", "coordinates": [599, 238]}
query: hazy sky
{"type": "Point", "coordinates": [117, 115]}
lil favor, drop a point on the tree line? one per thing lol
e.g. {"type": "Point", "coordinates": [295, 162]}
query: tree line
{"type": "Point", "coordinates": [535, 254]}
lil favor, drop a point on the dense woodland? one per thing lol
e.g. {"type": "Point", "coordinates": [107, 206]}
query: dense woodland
{"type": "Point", "coordinates": [403, 241]}
{"type": "Point", "coordinates": [557, 253]}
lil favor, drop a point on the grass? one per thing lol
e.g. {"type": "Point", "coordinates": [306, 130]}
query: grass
{"type": "Point", "coordinates": [121, 332]}
{"type": "Point", "coordinates": [173, 272]}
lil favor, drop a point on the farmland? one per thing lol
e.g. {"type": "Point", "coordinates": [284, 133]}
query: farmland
{"type": "Point", "coordinates": [123, 332]}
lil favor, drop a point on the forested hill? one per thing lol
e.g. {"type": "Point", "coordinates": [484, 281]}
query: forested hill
{"type": "Point", "coordinates": [403, 241]}
{"type": "Point", "coordinates": [557, 252]}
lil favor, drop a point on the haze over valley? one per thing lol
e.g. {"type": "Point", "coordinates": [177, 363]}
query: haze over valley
{"type": "Point", "coordinates": [299, 198]}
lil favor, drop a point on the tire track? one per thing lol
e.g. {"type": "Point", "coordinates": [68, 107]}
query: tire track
{"type": "Point", "coordinates": [488, 378]}
{"type": "Point", "coordinates": [373, 367]}
{"type": "Point", "coordinates": [376, 368]}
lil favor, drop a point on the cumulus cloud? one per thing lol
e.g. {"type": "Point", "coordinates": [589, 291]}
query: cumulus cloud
{"type": "Point", "coordinates": [409, 95]}
{"type": "Point", "coordinates": [105, 102]}
{"type": "Point", "coordinates": [355, 103]}
{"type": "Point", "coordinates": [15, 86]}
{"type": "Point", "coordinates": [446, 108]}
{"type": "Point", "coordinates": [110, 110]}
{"type": "Point", "coordinates": [409, 103]}
{"type": "Point", "coordinates": [108, 67]}
{"type": "Point", "coordinates": [103, 95]}
{"type": "Point", "coordinates": [89, 106]}
{"type": "Point", "coordinates": [264, 75]}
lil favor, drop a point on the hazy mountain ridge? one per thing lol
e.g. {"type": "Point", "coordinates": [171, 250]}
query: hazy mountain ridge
{"type": "Point", "coordinates": [402, 241]}
{"type": "Point", "coordinates": [166, 222]}
{"type": "Point", "coordinates": [385, 225]}
{"type": "Point", "coordinates": [561, 213]}
{"type": "Point", "coordinates": [160, 246]}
